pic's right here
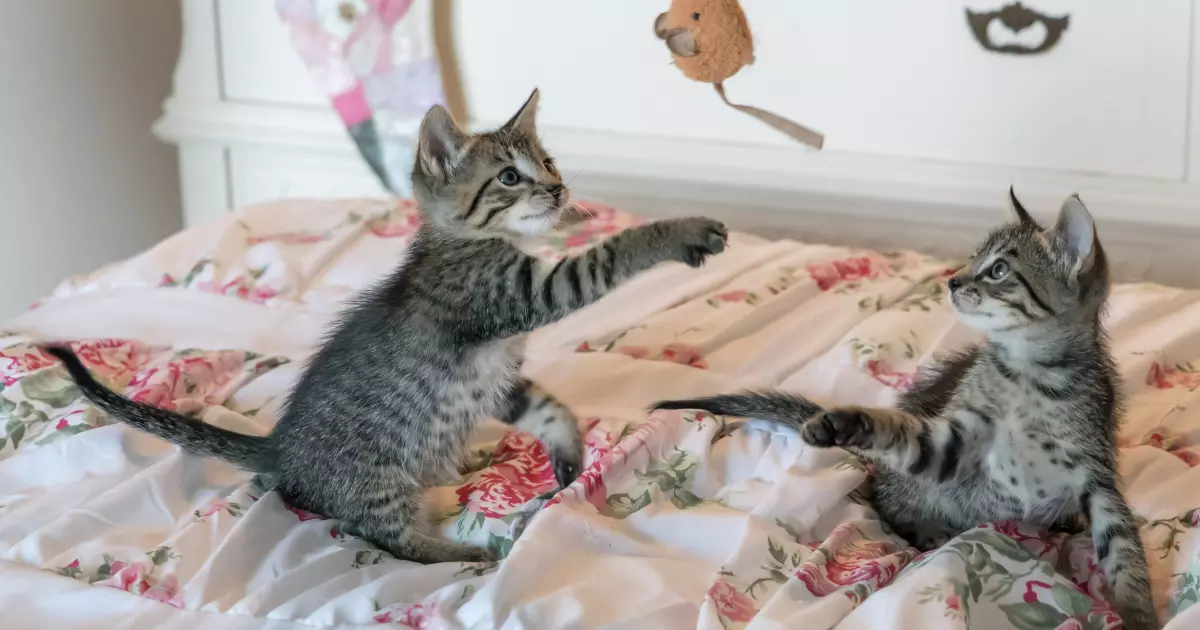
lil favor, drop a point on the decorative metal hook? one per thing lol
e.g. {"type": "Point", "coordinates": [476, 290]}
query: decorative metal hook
{"type": "Point", "coordinates": [1017, 18]}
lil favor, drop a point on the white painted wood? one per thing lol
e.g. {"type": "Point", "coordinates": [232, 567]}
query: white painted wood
{"type": "Point", "coordinates": [203, 181]}
{"type": "Point", "coordinates": [261, 174]}
{"type": "Point", "coordinates": [665, 146]}
{"type": "Point", "coordinates": [258, 61]}
{"type": "Point", "coordinates": [875, 76]}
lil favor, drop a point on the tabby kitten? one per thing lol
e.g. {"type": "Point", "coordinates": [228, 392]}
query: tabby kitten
{"type": "Point", "coordinates": [385, 407]}
{"type": "Point", "coordinates": [1022, 426]}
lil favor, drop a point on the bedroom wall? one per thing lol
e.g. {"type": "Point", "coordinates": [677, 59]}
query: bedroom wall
{"type": "Point", "coordinates": [82, 179]}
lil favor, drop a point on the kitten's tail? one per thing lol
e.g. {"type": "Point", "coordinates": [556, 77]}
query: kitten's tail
{"type": "Point", "coordinates": [786, 410]}
{"type": "Point", "coordinates": [248, 452]}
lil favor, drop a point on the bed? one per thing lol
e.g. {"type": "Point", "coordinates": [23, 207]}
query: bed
{"type": "Point", "coordinates": [674, 524]}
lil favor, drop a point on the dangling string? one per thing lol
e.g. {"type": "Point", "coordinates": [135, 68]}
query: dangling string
{"type": "Point", "coordinates": [795, 130]}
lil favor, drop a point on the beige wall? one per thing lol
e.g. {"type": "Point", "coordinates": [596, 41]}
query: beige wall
{"type": "Point", "coordinates": [82, 179]}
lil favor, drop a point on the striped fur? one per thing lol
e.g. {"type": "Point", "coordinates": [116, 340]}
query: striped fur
{"type": "Point", "coordinates": [1022, 426]}
{"type": "Point", "coordinates": [385, 407]}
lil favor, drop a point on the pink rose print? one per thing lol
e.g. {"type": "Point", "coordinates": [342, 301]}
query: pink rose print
{"type": "Point", "coordinates": [415, 616]}
{"type": "Point", "coordinates": [848, 562]}
{"type": "Point", "coordinates": [1163, 376]}
{"type": "Point", "coordinates": [594, 489]}
{"type": "Point", "coordinates": [596, 442]}
{"type": "Point", "coordinates": [304, 515]}
{"type": "Point", "coordinates": [731, 603]}
{"type": "Point", "coordinates": [636, 352]}
{"type": "Point", "coordinates": [882, 371]}
{"type": "Point", "coordinates": [684, 355]}
{"type": "Point", "coordinates": [117, 360]}
{"type": "Point", "coordinates": [1034, 538]}
{"type": "Point", "coordinates": [129, 577]}
{"type": "Point", "coordinates": [239, 287]}
{"type": "Point", "coordinates": [1031, 595]}
{"type": "Point", "coordinates": [402, 222]}
{"type": "Point", "coordinates": [954, 603]}
{"type": "Point", "coordinates": [137, 578]}
{"type": "Point", "coordinates": [520, 472]}
{"type": "Point", "coordinates": [830, 274]}
{"type": "Point", "coordinates": [62, 424]}
{"type": "Point", "coordinates": [288, 238]}
{"type": "Point", "coordinates": [602, 221]}
{"type": "Point", "coordinates": [190, 383]}
{"type": "Point", "coordinates": [74, 564]}
{"type": "Point", "coordinates": [21, 360]}
{"type": "Point", "coordinates": [733, 296]}
{"type": "Point", "coordinates": [166, 591]}
{"type": "Point", "coordinates": [215, 506]}
{"type": "Point", "coordinates": [1175, 444]}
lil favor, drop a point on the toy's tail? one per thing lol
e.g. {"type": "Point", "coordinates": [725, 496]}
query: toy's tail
{"type": "Point", "coordinates": [782, 409]}
{"type": "Point", "coordinates": [249, 452]}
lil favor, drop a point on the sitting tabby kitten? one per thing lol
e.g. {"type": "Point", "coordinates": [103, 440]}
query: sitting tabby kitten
{"type": "Point", "coordinates": [385, 407]}
{"type": "Point", "coordinates": [1020, 427]}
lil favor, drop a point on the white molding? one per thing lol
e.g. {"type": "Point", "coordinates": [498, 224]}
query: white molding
{"type": "Point", "coordinates": [741, 173]}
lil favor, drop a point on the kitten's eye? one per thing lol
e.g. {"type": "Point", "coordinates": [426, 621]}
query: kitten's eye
{"type": "Point", "coordinates": [549, 164]}
{"type": "Point", "coordinates": [999, 270]}
{"type": "Point", "coordinates": [509, 177]}
{"type": "Point", "coordinates": [696, 16]}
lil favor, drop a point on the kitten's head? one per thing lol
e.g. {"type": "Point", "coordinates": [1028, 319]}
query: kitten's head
{"type": "Point", "coordinates": [1024, 276]}
{"type": "Point", "coordinates": [497, 182]}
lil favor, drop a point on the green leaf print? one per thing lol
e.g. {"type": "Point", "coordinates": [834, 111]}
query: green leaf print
{"type": "Point", "coordinates": [161, 555]}
{"type": "Point", "coordinates": [1033, 616]}
{"type": "Point", "coordinates": [1187, 590]}
{"type": "Point", "coordinates": [670, 477]}
{"type": "Point", "coordinates": [1076, 604]}
{"type": "Point", "coordinates": [367, 558]}
{"type": "Point", "coordinates": [29, 413]}
{"type": "Point", "coordinates": [684, 499]}
{"type": "Point", "coordinates": [50, 387]}
{"type": "Point", "coordinates": [195, 271]}
{"type": "Point", "coordinates": [16, 432]}
{"type": "Point", "coordinates": [61, 434]}
{"type": "Point", "coordinates": [499, 545]}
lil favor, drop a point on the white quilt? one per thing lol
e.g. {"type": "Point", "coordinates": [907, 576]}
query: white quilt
{"type": "Point", "coordinates": [101, 526]}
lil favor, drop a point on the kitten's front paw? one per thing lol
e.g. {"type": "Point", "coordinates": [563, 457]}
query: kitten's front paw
{"type": "Point", "coordinates": [846, 426]}
{"type": "Point", "coordinates": [695, 239]}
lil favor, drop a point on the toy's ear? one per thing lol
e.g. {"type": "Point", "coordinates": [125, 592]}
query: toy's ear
{"type": "Point", "coordinates": [660, 26]}
{"type": "Point", "coordinates": [682, 43]}
{"type": "Point", "coordinates": [523, 120]}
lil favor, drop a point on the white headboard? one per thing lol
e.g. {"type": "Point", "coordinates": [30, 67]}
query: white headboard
{"type": "Point", "coordinates": [925, 130]}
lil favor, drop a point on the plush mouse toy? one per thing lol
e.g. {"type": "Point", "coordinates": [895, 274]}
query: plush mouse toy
{"type": "Point", "coordinates": [710, 41]}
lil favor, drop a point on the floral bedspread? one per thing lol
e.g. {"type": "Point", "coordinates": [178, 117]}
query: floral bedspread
{"type": "Point", "coordinates": [675, 523]}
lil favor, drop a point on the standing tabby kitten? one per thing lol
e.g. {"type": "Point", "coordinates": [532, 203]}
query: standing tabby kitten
{"type": "Point", "coordinates": [385, 407]}
{"type": "Point", "coordinates": [1020, 427]}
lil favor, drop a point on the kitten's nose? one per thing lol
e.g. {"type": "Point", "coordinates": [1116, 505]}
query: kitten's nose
{"type": "Point", "coordinates": [955, 283]}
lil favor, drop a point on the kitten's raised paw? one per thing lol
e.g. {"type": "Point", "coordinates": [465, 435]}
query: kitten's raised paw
{"type": "Point", "coordinates": [695, 239]}
{"type": "Point", "coordinates": [838, 427]}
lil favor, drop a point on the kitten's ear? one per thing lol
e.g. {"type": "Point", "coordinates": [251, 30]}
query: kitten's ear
{"type": "Point", "coordinates": [440, 142]}
{"type": "Point", "coordinates": [1019, 213]}
{"type": "Point", "coordinates": [1076, 232]}
{"type": "Point", "coordinates": [524, 119]}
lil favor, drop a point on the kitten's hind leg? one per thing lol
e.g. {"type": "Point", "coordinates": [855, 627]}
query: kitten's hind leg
{"type": "Point", "coordinates": [394, 525]}
{"type": "Point", "coordinates": [534, 410]}
{"type": "Point", "coordinates": [1120, 553]}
